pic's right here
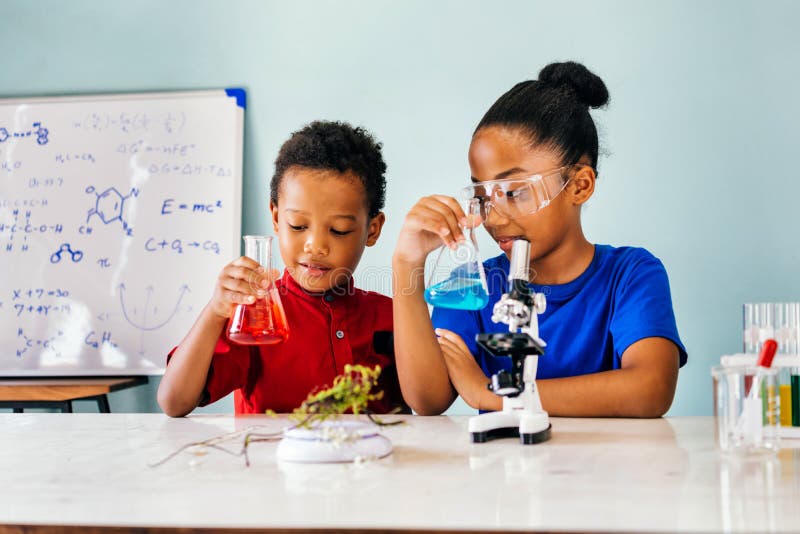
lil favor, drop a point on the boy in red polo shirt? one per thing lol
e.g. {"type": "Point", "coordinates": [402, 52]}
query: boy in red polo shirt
{"type": "Point", "coordinates": [326, 198]}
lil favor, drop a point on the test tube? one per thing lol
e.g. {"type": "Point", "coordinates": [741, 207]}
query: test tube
{"type": "Point", "coordinates": [795, 396]}
{"type": "Point", "coordinates": [792, 327]}
{"type": "Point", "coordinates": [783, 326]}
{"type": "Point", "coordinates": [750, 329]}
{"type": "Point", "coordinates": [769, 394]}
{"type": "Point", "coordinates": [785, 393]}
{"type": "Point", "coordinates": [758, 325]}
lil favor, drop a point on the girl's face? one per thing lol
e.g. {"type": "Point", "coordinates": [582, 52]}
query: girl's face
{"type": "Point", "coordinates": [498, 153]}
{"type": "Point", "coordinates": [323, 225]}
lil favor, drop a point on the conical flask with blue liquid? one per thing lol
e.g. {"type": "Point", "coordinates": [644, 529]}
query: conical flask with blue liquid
{"type": "Point", "coordinates": [457, 280]}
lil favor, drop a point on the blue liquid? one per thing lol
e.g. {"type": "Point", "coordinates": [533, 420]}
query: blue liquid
{"type": "Point", "coordinates": [458, 293]}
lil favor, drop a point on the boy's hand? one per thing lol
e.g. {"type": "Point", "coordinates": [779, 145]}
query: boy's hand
{"type": "Point", "coordinates": [240, 282]}
{"type": "Point", "coordinates": [433, 221]}
{"type": "Point", "coordinates": [465, 373]}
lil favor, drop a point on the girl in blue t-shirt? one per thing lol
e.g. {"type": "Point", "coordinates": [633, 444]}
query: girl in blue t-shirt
{"type": "Point", "coordinates": [612, 344]}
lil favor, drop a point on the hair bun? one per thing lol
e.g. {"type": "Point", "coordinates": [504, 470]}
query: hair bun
{"type": "Point", "coordinates": [589, 88]}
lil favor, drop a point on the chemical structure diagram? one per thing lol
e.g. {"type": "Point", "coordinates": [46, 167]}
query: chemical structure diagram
{"type": "Point", "coordinates": [21, 224]}
{"type": "Point", "coordinates": [38, 130]}
{"type": "Point", "coordinates": [75, 255]}
{"type": "Point", "coordinates": [110, 206]}
{"type": "Point", "coordinates": [27, 343]}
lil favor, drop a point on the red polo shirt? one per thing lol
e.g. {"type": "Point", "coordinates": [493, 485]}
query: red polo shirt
{"type": "Point", "coordinates": [326, 332]}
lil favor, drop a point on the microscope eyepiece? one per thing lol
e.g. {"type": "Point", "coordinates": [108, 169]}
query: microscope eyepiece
{"type": "Point", "coordinates": [520, 260]}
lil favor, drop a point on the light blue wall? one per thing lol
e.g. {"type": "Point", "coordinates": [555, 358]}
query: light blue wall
{"type": "Point", "coordinates": [700, 139]}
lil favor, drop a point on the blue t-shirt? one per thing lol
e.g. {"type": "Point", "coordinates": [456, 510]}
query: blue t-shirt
{"type": "Point", "coordinates": [622, 297]}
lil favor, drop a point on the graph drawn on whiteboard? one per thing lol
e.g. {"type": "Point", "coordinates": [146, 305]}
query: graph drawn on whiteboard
{"type": "Point", "coordinates": [145, 316]}
{"type": "Point", "coordinates": [117, 213]}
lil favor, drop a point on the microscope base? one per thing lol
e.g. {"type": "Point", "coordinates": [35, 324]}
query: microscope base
{"type": "Point", "coordinates": [531, 428]}
{"type": "Point", "coordinates": [536, 437]}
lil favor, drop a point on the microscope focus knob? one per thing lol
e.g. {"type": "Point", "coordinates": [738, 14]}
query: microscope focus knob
{"type": "Point", "coordinates": [504, 384]}
{"type": "Point", "coordinates": [539, 303]}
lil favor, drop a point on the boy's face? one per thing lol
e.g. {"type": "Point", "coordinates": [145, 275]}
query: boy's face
{"type": "Point", "coordinates": [322, 223]}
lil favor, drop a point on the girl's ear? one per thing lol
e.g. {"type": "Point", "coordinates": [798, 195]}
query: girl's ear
{"type": "Point", "coordinates": [374, 228]}
{"type": "Point", "coordinates": [273, 208]}
{"type": "Point", "coordinates": [581, 185]}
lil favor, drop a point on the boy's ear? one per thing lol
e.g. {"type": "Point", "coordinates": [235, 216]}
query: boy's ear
{"type": "Point", "coordinates": [273, 208]}
{"type": "Point", "coordinates": [582, 185]}
{"type": "Point", "coordinates": [374, 228]}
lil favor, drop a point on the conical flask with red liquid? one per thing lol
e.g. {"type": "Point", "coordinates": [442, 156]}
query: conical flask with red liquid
{"type": "Point", "coordinates": [262, 322]}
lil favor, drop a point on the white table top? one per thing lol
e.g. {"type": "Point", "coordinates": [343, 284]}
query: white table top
{"type": "Point", "coordinates": [593, 475]}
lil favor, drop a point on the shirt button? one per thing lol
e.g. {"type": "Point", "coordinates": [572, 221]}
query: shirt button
{"type": "Point", "coordinates": [339, 334]}
{"type": "Point", "coordinates": [329, 298]}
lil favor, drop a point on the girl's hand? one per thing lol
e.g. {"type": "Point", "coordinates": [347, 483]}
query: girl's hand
{"type": "Point", "coordinates": [465, 373]}
{"type": "Point", "coordinates": [240, 282]}
{"type": "Point", "coordinates": [433, 221]}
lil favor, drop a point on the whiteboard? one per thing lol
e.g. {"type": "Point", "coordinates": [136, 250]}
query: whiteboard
{"type": "Point", "coordinates": [117, 213]}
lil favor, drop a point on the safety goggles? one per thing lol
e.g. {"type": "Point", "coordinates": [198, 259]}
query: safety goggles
{"type": "Point", "coordinates": [517, 197]}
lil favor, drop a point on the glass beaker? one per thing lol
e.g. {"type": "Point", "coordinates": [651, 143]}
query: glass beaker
{"type": "Point", "coordinates": [457, 279]}
{"type": "Point", "coordinates": [262, 322]}
{"type": "Point", "coordinates": [747, 422]}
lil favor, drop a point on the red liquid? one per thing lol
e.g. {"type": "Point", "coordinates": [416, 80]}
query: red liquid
{"type": "Point", "coordinates": [260, 323]}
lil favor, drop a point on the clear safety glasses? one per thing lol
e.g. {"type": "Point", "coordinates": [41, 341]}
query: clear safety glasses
{"type": "Point", "coordinates": [517, 197]}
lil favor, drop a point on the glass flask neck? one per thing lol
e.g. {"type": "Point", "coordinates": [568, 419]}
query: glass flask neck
{"type": "Point", "coordinates": [257, 247]}
{"type": "Point", "coordinates": [472, 207]}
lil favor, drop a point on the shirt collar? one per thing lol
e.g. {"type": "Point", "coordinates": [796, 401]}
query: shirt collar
{"type": "Point", "coordinates": [557, 292]}
{"type": "Point", "coordinates": [337, 294]}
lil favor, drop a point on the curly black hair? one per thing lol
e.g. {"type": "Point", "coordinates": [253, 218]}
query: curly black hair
{"type": "Point", "coordinates": [336, 146]}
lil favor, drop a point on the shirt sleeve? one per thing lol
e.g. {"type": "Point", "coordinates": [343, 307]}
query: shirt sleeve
{"type": "Point", "coordinates": [643, 308]}
{"type": "Point", "coordinates": [228, 371]}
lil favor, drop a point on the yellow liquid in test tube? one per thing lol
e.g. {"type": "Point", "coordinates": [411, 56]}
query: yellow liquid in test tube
{"type": "Point", "coordinates": [786, 404]}
{"type": "Point", "coordinates": [769, 403]}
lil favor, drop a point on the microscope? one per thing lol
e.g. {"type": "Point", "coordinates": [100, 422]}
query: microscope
{"type": "Point", "coordinates": [522, 414]}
